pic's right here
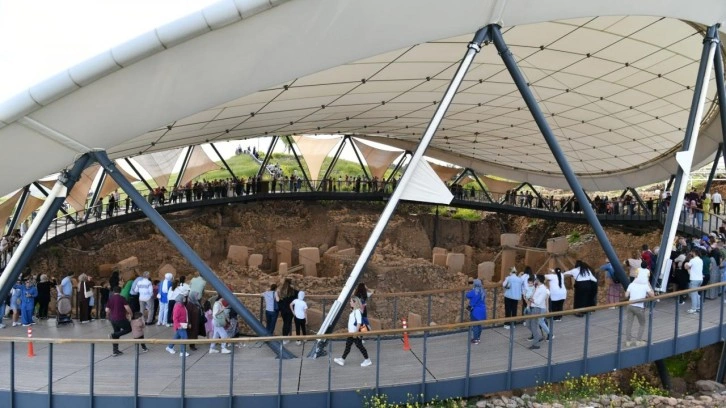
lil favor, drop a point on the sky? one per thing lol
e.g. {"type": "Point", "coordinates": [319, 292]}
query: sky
{"type": "Point", "coordinates": [39, 38]}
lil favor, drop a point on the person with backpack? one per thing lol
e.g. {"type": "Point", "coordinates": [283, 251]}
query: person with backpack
{"type": "Point", "coordinates": [219, 322]}
{"type": "Point", "coordinates": [355, 321]}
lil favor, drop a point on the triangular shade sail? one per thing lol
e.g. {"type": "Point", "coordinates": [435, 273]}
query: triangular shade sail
{"type": "Point", "coordinates": [199, 163]}
{"type": "Point", "coordinates": [315, 150]}
{"type": "Point", "coordinates": [78, 195]}
{"type": "Point", "coordinates": [7, 207]}
{"type": "Point", "coordinates": [466, 179]}
{"type": "Point", "coordinates": [109, 184]}
{"type": "Point", "coordinates": [425, 186]}
{"type": "Point", "coordinates": [378, 160]}
{"type": "Point", "coordinates": [498, 186]}
{"type": "Point", "coordinates": [31, 204]}
{"type": "Point", "coordinates": [445, 173]}
{"type": "Point", "coordinates": [159, 165]}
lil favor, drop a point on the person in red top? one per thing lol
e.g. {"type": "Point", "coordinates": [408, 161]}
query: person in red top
{"type": "Point", "coordinates": [181, 322]}
{"type": "Point", "coordinates": [118, 311]}
{"type": "Point", "coordinates": [647, 256]}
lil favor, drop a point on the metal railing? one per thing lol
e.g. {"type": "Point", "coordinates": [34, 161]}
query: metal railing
{"type": "Point", "coordinates": [442, 362]}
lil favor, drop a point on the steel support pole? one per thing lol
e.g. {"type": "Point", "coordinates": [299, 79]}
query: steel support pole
{"type": "Point", "coordinates": [94, 198]}
{"type": "Point", "coordinates": [184, 249]}
{"type": "Point", "coordinates": [483, 189]}
{"type": "Point", "coordinates": [398, 166]}
{"type": "Point", "coordinates": [337, 308]}
{"type": "Point", "coordinates": [19, 208]}
{"type": "Point", "coordinates": [138, 173]}
{"type": "Point", "coordinates": [226, 166]}
{"type": "Point", "coordinates": [40, 224]}
{"type": "Point", "coordinates": [531, 187]}
{"type": "Point", "coordinates": [721, 92]}
{"type": "Point", "coordinates": [557, 152]}
{"type": "Point", "coordinates": [41, 188]}
{"type": "Point", "coordinates": [639, 199]}
{"type": "Point", "coordinates": [268, 155]}
{"type": "Point", "coordinates": [334, 161]}
{"type": "Point", "coordinates": [685, 156]}
{"type": "Point", "coordinates": [183, 168]}
{"type": "Point", "coordinates": [299, 163]}
{"type": "Point", "coordinates": [713, 168]}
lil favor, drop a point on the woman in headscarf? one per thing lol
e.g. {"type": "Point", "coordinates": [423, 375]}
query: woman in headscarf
{"type": "Point", "coordinates": [180, 318]}
{"type": "Point", "coordinates": [585, 286]}
{"type": "Point", "coordinates": [85, 292]}
{"type": "Point", "coordinates": [558, 291]}
{"type": "Point", "coordinates": [43, 298]}
{"type": "Point", "coordinates": [196, 319]}
{"type": "Point", "coordinates": [477, 308]}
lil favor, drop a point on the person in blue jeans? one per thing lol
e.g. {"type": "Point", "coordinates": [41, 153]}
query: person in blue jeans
{"type": "Point", "coordinates": [477, 309]}
{"type": "Point", "coordinates": [272, 309]}
{"type": "Point", "coordinates": [181, 322]}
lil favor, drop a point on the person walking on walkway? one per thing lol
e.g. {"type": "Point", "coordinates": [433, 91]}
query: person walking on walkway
{"type": "Point", "coordinates": [219, 321]}
{"type": "Point", "coordinates": [181, 322]}
{"type": "Point", "coordinates": [300, 310]}
{"type": "Point", "coordinates": [538, 306]}
{"type": "Point", "coordinates": [639, 289]}
{"type": "Point", "coordinates": [477, 309]}
{"type": "Point", "coordinates": [512, 293]}
{"type": "Point", "coordinates": [118, 312]}
{"type": "Point", "coordinates": [355, 320]}
{"type": "Point", "coordinates": [585, 286]}
{"type": "Point", "coordinates": [615, 289]}
{"type": "Point", "coordinates": [694, 266]}
{"type": "Point", "coordinates": [558, 292]}
{"type": "Point", "coordinates": [286, 296]}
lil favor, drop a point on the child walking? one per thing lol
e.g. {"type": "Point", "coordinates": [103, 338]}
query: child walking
{"type": "Point", "coordinates": [137, 329]}
{"type": "Point", "coordinates": [300, 311]}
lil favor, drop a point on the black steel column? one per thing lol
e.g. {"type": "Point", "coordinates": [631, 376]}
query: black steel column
{"type": "Point", "coordinates": [483, 189]}
{"type": "Point", "coordinates": [40, 225]}
{"type": "Point", "coordinates": [223, 162]}
{"type": "Point", "coordinates": [185, 250]}
{"type": "Point", "coordinates": [94, 198]}
{"type": "Point", "coordinates": [18, 209]}
{"type": "Point", "coordinates": [183, 168]}
{"type": "Point", "coordinates": [398, 166]}
{"type": "Point", "coordinates": [710, 42]}
{"type": "Point", "coordinates": [721, 92]}
{"type": "Point", "coordinates": [713, 168]}
{"type": "Point", "coordinates": [268, 155]}
{"type": "Point", "coordinates": [531, 187]}
{"type": "Point", "coordinates": [557, 151]}
{"type": "Point", "coordinates": [41, 188]}
{"type": "Point", "coordinates": [333, 162]}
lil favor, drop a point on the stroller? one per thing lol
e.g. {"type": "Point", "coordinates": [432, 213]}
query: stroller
{"type": "Point", "coordinates": [63, 310]}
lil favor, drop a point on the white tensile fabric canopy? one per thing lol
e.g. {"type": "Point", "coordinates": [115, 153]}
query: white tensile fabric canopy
{"type": "Point", "coordinates": [199, 163]}
{"type": "Point", "coordinates": [615, 80]}
{"type": "Point", "coordinates": [315, 150]}
{"type": "Point", "coordinates": [159, 165]}
{"type": "Point", "coordinates": [378, 160]}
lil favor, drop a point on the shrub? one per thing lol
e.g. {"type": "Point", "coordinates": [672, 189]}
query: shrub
{"type": "Point", "coordinates": [641, 387]}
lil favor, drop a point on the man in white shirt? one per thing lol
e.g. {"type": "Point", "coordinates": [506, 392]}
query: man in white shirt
{"type": "Point", "coordinates": [639, 289]}
{"type": "Point", "coordinates": [716, 201]}
{"type": "Point", "coordinates": [694, 266]}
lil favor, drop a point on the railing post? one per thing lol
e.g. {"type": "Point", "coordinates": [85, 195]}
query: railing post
{"type": "Point", "coordinates": [423, 370]}
{"type": "Point", "coordinates": [136, 375]}
{"type": "Point", "coordinates": [231, 377]}
{"type": "Point", "coordinates": [50, 375]}
{"type": "Point", "coordinates": [91, 375]}
{"type": "Point", "coordinates": [587, 340]}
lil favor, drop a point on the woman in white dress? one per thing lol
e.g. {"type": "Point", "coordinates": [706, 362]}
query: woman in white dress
{"type": "Point", "coordinates": [558, 291]}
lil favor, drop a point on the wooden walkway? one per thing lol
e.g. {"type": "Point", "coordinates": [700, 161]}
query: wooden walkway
{"type": "Point", "coordinates": [255, 369]}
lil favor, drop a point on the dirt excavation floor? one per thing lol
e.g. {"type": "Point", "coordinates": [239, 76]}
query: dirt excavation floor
{"type": "Point", "coordinates": [402, 260]}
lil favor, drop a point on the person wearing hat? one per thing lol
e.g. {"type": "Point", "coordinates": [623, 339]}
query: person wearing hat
{"type": "Point", "coordinates": [181, 322]}
{"type": "Point", "coordinates": [477, 308]}
{"type": "Point", "coordinates": [219, 321]}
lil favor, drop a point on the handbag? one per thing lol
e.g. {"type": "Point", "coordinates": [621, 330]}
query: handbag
{"type": "Point", "coordinates": [183, 325]}
{"type": "Point", "coordinates": [364, 328]}
{"type": "Point", "coordinates": [87, 293]}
